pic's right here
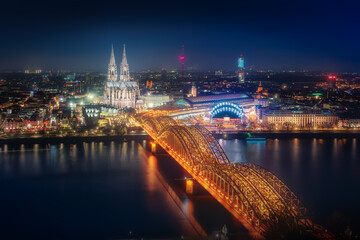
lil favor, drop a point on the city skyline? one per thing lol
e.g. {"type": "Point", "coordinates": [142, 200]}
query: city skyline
{"type": "Point", "coordinates": [180, 119]}
{"type": "Point", "coordinates": [77, 35]}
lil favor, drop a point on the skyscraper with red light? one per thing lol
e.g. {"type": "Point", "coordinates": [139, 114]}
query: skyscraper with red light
{"type": "Point", "coordinates": [182, 61]}
{"type": "Point", "coordinates": [331, 79]}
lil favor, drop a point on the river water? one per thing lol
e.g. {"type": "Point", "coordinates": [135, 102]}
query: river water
{"type": "Point", "coordinates": [121, 190]}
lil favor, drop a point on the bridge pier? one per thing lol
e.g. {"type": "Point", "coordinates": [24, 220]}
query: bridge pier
{"type": "Point", "coordinates": [153, 147]}
{"type": "Point", "coordinates": [189, 186]}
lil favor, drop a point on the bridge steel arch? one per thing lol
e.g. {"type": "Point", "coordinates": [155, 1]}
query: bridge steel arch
{"type": "Point", "coordinates": [252, 194]}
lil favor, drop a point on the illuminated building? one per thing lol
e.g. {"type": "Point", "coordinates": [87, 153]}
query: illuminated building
{"type": "Point", "coordinates": [70, 77]}
{"type": "Point", "coordinates": [119, 91]}
{"type": "Point", "coordinates": [93, 113]}
{"type": "Point", "coordinates": [263, 102]}
{"type": "Point", "coordinates": [36, 71]}
{"type": "Point", "coordinates": [99, 111]}
{"type": "Point", "coordinates": [227, 109]}
{"type": "Point", "coordinates": [193, 91]}
{"type": "Point", "coordinates": [155, 100]}
{"type": "Point", "coordinates": [182, 61]}
{"type": "Point", "coordinates": [149, 84]}
{"type": "Point", "coordinates": [210, 100]}
{"type": "Point", "coordinates": [303, 118]}
{"type": "Point", "coordinates": [260, 93]}
{"type": "Point", "coordinates": [331, 79]}
{"type": "Point", "coordinates": [218, 73]}
{"type": "Point", "coordinates": [350, 123]}
{"type": "Point", "coordinates": [241, 68]}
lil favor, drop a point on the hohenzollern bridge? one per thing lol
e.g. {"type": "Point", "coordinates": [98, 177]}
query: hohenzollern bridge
{"type": "Point", "coordinates": [255, 196]}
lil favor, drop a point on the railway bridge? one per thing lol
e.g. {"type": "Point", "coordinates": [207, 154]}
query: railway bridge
{"type": "Point", "coordinates": [255, 196]}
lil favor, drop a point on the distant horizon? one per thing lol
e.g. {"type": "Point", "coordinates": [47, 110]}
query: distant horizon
{"type": "Point", "coordinates": [176, 66]}
{"type": "Point", "coordinates": [177, 70]}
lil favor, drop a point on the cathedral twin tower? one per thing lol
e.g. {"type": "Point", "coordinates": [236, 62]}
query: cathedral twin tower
{"type": "Point", "coordinates": [120, 91]}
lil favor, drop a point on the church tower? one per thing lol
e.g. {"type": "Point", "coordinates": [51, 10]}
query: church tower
{"type": "Point", "coordinates": [124, 68]}
{"type": "Point", "coordinates": [112, 68]}
{"type": "Point", "coordinates": [120, 92]}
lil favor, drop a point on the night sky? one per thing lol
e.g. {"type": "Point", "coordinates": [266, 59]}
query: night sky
{"type": "Point", "coordinates": [279, 35]}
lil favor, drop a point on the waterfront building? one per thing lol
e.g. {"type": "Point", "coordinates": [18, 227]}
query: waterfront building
{"type": "Point", "coordinates": [119, 90]}
{"type": "Point", "coordinates": [93, 113]}
{"type": "Point", "coordinates": [300, 118]}
{"type": "Point", "coordinates": [350, 123]}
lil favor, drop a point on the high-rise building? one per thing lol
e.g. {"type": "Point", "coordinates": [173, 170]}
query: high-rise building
{"type": "Point", "coordinates": [120, 91]}
{"type": "Point", "coordinates": [182, 61]}
{"type": "Point", "coordinates": [331, 80]}
{"type": "Point", "coordinates": [241, 69]}
{"type": "Point", "coordinates": [193, 91]}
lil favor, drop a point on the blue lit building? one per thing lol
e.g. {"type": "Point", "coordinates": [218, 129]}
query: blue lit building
{"type": "Point", "coordinates": [241, 69]}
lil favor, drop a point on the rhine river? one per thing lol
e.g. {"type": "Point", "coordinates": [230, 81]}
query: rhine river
{"type": "Point", "coordinates": [115, 190]}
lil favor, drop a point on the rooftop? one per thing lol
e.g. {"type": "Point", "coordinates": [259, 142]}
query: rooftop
{"type": "Point", "coordinates": [122, 84]}
{"type": "Point", "coordinates": [214, 98]}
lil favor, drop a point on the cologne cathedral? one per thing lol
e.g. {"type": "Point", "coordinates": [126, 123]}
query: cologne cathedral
{"type": "Point", "coordinates": [120, 91]}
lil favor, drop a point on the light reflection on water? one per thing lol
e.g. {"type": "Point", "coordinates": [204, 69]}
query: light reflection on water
{"type": "Point", "coordinates": [119, 179]}
{"type": "Point", "coordinates": [85, 190]}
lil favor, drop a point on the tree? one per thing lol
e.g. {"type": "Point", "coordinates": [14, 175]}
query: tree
{"type": "Point", "coordinates": [224, 233]}
{"type": "Point", "coordinates": [129, 111]}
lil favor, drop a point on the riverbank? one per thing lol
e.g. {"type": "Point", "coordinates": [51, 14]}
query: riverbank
{"type": "Point", "coordinates": [227, 135]}
{"type": "Point", "coordinates": [298, 134]}
{"type": "Point", "coordinates": [73, 139]}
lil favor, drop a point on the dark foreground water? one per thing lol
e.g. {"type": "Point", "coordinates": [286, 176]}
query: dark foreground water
{"type": "Point", "coordinates": [120, 190]}
{"type": "Point", "coordinates": [86, 191]}
{"type": "Point", "coordinates": [100, 190]}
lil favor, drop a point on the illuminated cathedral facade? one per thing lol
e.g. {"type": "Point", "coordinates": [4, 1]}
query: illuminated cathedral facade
{"type": "Point", "coordinates": [119, 90]}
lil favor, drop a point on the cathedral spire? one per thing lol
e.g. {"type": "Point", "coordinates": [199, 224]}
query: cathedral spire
{"type": "Point", "coordinates": [124, 59]}
{"type": "Point", "coordinates": [124, 68]}
{"type": "Point", "coordinates": [112, 56]}
{"type": "Point", "coordinates": [112, 68]}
